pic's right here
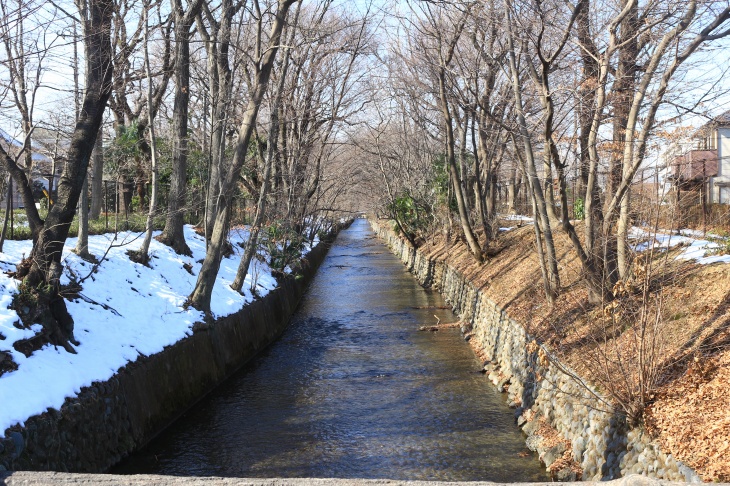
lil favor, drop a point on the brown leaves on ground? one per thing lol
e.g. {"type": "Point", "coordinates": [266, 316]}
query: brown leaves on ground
{"type": "Point", "coordinates": [566, 461]}
{"type": "Point", "coordinates": [551, 438]}
{"type": "Point", "coordinates": [690, 418]}
{"type": "Point", "coordinates": [688, 413]}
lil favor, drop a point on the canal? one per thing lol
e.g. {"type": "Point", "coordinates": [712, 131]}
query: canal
{"type": "Point", "coordinates": [353, 390]}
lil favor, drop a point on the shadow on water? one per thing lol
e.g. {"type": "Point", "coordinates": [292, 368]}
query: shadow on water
{"type": "Point", "coordinates": [352, 390]}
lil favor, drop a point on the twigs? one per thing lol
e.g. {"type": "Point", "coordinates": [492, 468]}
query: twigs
{"type": "Point", "coordinates": [100, 304]}
{"type": "Point", "coordinates": [103, 257]}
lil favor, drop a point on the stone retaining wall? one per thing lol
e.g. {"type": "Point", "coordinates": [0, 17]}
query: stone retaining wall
{"type": "Point", "coordinates": [602, 443]}
{"type": "Point", "coordinates": [109, 420]}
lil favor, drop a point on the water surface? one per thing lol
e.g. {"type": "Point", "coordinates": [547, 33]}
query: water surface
{"type": "Point", "coordinates": [353, 390]}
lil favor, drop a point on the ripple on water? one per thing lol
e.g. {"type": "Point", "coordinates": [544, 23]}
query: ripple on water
{"type": "Point", "coordinates": [352, 389]}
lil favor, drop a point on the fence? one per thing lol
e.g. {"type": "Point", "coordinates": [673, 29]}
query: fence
{"type": "Point", "coordinates": [124, 206]}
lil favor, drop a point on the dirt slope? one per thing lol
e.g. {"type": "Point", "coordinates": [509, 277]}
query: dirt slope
{"type": "Point", "coordinates": [685, 338]}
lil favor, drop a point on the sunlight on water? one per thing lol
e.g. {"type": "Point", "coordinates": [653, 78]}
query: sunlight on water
{"type": "Point", "coordinates": [353, 390]}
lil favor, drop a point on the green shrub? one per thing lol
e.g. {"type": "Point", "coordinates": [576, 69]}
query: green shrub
{"type": "Point", "coordinates": [579, 209]}
{"type": "Point", "coordinates": [283, 244]}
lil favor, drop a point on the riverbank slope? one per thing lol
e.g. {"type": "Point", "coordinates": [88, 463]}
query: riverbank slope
{"type": "Point", "coordinates": [143, 357]}
{"type": "Point", "coordinates": [532, 349]}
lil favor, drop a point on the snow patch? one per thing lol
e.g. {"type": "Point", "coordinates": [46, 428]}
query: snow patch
{"type": "Point", "coordinates": [698, 248]}
{"type": "Point", "coordinates": [517, 217]}
{"type": "Point", "coordinates": [147, 315]}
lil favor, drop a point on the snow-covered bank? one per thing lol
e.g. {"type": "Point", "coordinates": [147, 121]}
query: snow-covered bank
{"type": "Point", "coordinates": [128, 310]}
{"type": "Point", "coordinates": [698, 247]}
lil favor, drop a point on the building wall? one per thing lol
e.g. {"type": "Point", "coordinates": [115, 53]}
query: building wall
{"type": "Point", "coordinates": [723, 152]}
{"type": "Point", "coordinates": [719, 194]}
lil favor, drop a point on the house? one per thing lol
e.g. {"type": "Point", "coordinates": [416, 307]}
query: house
{"type": "Point", "coordinates": [705, 169]}
{"type": "Point", "coordinates": [43, 167]}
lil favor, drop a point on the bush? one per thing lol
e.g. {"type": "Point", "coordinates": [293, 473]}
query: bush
{"type": "Point", "coordinates": [283, 244]}
{"type": "Point", "coordinates": [412, 217]}
{"type": "Point", "coordinates": [579, 209]}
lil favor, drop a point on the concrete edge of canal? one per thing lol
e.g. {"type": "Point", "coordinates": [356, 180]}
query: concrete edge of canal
{"type": "Point", "coordinates": [108, 420]}
{"type": "Point", "coordinates": [27, 478]}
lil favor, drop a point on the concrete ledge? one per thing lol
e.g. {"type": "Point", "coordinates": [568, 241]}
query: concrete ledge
{"type": "Point", "coordinates": [41, 478]}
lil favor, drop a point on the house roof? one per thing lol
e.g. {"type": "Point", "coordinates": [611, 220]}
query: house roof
{"type": "Point", "coordinates": [722, 120]}
{"type": "Point", "coordinates": [12, 145]}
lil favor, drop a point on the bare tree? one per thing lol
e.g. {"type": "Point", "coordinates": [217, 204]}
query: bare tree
{"type": "Point", "coordinates": [25, 57]}
{"type": "Point", "coordinates": [42, 269]}
{"type": "Point", "coordinates": [443, 48]}
{"type": "Point", "coordinates": [543, 230]}
{"type": "Point", "coordinates": [142, 255]}
{"type": "Point", "coordinates": [252, 242]}
{"type": "Point", "coordinates": [217, 40]}
{"type": "Point", "coordinates": [201, 295]}
{"type": "Point", "coordinates": [97, 177]}
{"type": "Point", "coordinates": [173, 234]}
{"type": "Point", "coordinates": [82, 242]}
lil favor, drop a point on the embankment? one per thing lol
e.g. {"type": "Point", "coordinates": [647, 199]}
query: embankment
{"type": "Point", "coordinates": [544, 392]}
{"type": "Point", "coordinates": [108, 420]}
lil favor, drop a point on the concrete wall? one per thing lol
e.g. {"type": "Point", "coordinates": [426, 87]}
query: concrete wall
{"type": "Point", "coordinates": [109, 420]}
{"type": "Point", "coordinates": [602, 444]}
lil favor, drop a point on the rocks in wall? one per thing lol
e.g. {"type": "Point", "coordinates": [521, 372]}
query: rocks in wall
{"type": "Point", "coordinates": [547, 394]}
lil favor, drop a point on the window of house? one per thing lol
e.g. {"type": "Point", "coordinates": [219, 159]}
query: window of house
{"type": "Point", "coordinates": [708, 142]}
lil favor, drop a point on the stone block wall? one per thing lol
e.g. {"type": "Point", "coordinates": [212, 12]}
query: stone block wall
{"type": "Point", "coordinates": [602, 443]}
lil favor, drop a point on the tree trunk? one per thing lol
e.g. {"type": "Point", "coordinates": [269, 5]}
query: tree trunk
{"type": "Point", "coordinates": [142, 255]}
{"type": "Point", "coordinates": [552, 283]}
{"type": "Point", "coordinates": [271, 151]}
{"type": "Point", "coordinates": [219, 75]}
{"type": "Point", "coordinates": [623, 89]}
{"type": "Point", "coordinates": [82, 242]}
{"type": "Point", "coordinates": [462, 130]}
{"type": "Point", "coordinates": [541, 258]}
{"type": "Point", "coordinates": [477, 186]}
{"type": "Point", "coordinates": [201, 295]}
{"type": "Point", "coordinates": [45, 259]}
{"type": "Point", "coordinates": [623, 250]}
{"type": "Point", "coordinates": [590, 193]}
{"type": "Point", "coordinates": [174, 235]}
{"type": "Point", "coordinates": [97, 174]}
{"type": "Point", "coordinates": [471, 238]}
{"type": "Point", "coordinates": [549, 190]}
{"type": "Point", "coordinates": [513, 190]}
{"type": "Point", "coordinates": [8, 199]}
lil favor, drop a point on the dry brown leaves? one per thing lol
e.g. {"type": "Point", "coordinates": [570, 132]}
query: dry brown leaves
{"type": "Point", "coordinates": [566, 461]}
{"type": "Point", "coordinates": [691, 420]}
{"type": "Point", "coordinates": [689, 415]}
{"type": "Point", "coordinates": [551, 438]}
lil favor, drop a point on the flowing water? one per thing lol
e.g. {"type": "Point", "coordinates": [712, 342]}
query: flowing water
{"type": "Point", "coordinates": [353, 390]}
